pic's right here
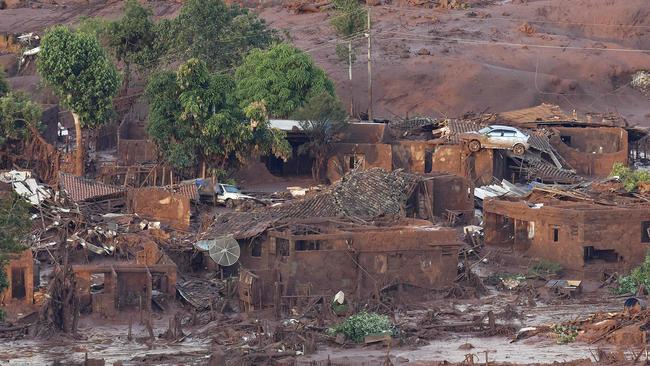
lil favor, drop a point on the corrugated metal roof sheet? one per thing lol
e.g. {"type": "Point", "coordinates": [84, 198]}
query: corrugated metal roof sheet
{"type": "Point", "coordinates": [540, 169]}
{"type": "Point", "coordinates": [81, 189]}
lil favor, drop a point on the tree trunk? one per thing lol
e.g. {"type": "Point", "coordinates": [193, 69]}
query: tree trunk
{"type": "Point", "coordinates": [316, 168]}
{"type": "Point", "coordinates": [79, 155]}
{"type": "Point", "coordinates": [127, 78]}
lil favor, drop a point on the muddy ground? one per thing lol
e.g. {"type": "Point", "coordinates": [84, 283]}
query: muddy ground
{"type": "Point", "coordinates": [425, 61]}
{"type": "Point", "coordinates": [497, 55]}
{"type": "Point", "coordinates": [418, 316]}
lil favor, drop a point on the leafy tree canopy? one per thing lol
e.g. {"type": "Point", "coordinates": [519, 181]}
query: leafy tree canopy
{"type": "Point", "coordinates": [283, 76]}
{"type": "Point", "coordinates": [17, 115]}
{"type": "Point", "coordinates": [133, 38]}
{"type": "Point", "coordinates": [323, 119]}
{"type": "Point", "coordinates": [350, 17]}
{"type": "Point", "coordinates": [193, 118]}
{"type": "Point", "coordinates": [215, 32]}
{"type": "Point", "coordinates": [80, 73]}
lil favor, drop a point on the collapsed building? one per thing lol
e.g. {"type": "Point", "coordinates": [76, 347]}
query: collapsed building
{"type": "Point", "coordinates": [584, 230]}
{"type": "Point", "coordinates": [107, 287]}
{"type": "Point", "coordinates": [563, 148]}
{"type": "Point", "coordinates": [367, 233]}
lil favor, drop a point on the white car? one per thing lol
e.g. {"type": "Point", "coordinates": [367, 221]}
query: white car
{"type": "Point", "coordinates": [228, 194]}
{"type": "Point", "coordinates": [497, 137]}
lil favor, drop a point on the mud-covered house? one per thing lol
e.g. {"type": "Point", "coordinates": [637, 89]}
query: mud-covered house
{"type": "Point", "coordinates": [107, 287]}
{"type": "Point", "coordinates": [562, 147]}
{"type": "Point", "coordinates": [370, 231]}
{"type": "Point", "coordinates": [315, 258]}
{"type": "Point", "coordinates": [581, 232]}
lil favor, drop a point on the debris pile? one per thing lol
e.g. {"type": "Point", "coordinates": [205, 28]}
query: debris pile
{"type": "Point", "coordinates": [627, 328]}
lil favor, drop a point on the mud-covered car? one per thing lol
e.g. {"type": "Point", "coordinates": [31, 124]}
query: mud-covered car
{"type": "Point", "coordinates": [497, 137]}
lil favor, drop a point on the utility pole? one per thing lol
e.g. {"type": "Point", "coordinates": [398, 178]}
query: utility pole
{"type": "Point", "coordinates": [350, 77]}
{"type": "Point", "coordinates": [370, 117]}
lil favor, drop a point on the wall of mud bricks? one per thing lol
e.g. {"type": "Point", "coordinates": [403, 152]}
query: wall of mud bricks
{"type": "Point", "coordinates": [479, 167]}
{"type": "Point", "coordinates": [160, 205]}
{"type": "Point", "coordinates": [364, 156]}
{"type": "Point", "coordinates": [578, 236]}
{"type": "Point", "coordinates": [594, 150]}
{"type": "Point", "coordinates": [425, 257]}
{"type": "Point", "coordinates": [20, 277]}
{"type": "Point", "coordinates": [411, 156]}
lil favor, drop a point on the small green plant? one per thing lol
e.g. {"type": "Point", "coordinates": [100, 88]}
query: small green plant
{"type": "Point", "coordinates": [544, 268]}
{"type": "Point", "coordinates": [629, 177]}
{"type": "Point", "coordinates": [360, 325]}
{"type": "Point", "coordinates": [639, 276]}
{"type": "Point", "coordinates": [565, 333]}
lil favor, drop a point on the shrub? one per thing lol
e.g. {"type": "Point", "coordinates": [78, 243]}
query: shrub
{"type": "Point", "coordinates": [360, 325]}
{"type": "Point", "coordinates": [565, 333]}
{"type": "Point", "coordinates": [639, 276]}
{"type": "Point", "coordinates": [544, 268]}
{"type": "Point", "coordinates": [629, 177]}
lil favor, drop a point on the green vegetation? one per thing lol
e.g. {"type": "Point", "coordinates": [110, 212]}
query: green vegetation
{"type": "Point", "coordinates": [193, 118]}
{"type": "Point", "coordinates": [350, 19]}
{"type": "Point", "coordinates": [360, 325]}
{"type": "Point", "coordinates": [76, 67]}
{"type": "Point", "coordinates": [15, 225]}
{"type": "Point", "coordinates": [283, 77]}
{"type": "Point", "coordinates": [18, 117]}
{"type": "Point", "coordinates": [323, 119]}
{"type": "Point", "coordinates": [215, 32]}
{"type": "Point", "coordinates": [133, 39]}
{"type": "Point", "coordinates": [18, 114]}
{"type": "Point", "coordinates": [4, 86]}
{"type": "Point", "coordinates": [544, 269]}
{"type": "Point", "coordinates": [629, 177]}
{"type": "Point", "coordinates": [565, 334]}
{"type": "Point", "coordinates": [639, 276]}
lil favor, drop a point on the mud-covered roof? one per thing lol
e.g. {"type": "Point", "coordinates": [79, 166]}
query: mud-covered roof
{"type": "Point", "coordinates": [80, 189]}
{"type": "Point", "coordinates": [540, 113]}
{"type": "Point", "coordinates": [188, 190]}
{"type": "Point", "coordinates": [360, 195]}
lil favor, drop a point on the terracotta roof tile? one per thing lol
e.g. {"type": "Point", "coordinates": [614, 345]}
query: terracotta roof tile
{"type": "Point", "coordinates": [364, 194]}
{"type": "Point", "coordinates": [81, 189]}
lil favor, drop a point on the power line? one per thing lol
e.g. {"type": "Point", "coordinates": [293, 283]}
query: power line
{"type": "Point", "coordinates": [388, 7]}
{"type": "Point", "coordinates": [422, 37]}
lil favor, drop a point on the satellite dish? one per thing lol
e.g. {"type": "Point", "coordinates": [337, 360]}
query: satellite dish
{"type": "Point", "coordinates": [224, 250]}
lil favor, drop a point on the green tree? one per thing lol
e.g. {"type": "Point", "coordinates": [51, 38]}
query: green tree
{"type": "Point", "coordinates": [15, 225]}
{"type": "Point", "coordinates": [134, 39]}
{"type": "Point", "coordinates": [18, 117]}
{"type": "Point", "coordinates": [215, 32]}
{"type": "Point", "coordinates": [193, 118]}
{"type": "Point", "coordinates": [323, 120]}
{"type": "Point", "coordinates": [76, 67]}
{"type": "Point", "coordinates": [350, 17]}
{"type": "Point", "coordinates": [283, 76]}
{"type": "Point", "coordinates": [96, 27]}
{"type": "Point", "coordinates": [4, 86]}
{"type": "Point", "coordinates": [349, 20]}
